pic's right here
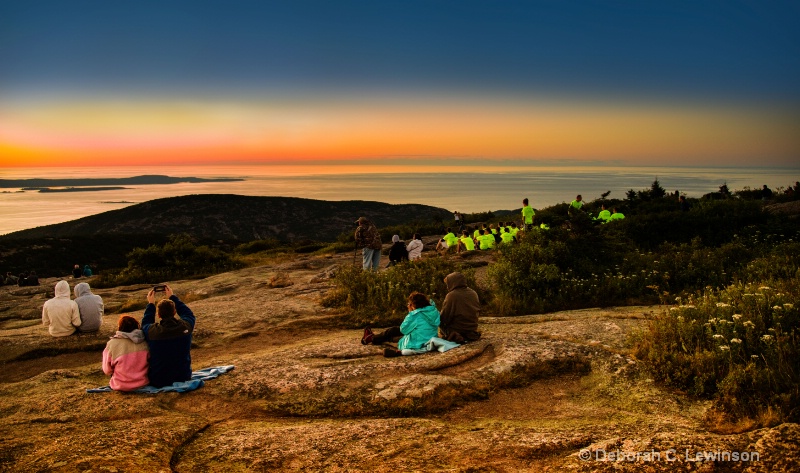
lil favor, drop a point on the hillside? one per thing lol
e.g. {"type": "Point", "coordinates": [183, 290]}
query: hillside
{"type": "Point", "coordinates": [236, 218]}
{"type": "Point", "coordinates": [103, 240]}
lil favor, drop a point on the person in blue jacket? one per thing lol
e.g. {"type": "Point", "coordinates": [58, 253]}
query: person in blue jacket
{"type": "Point", "coordinates": [420, 325]}
{"type": "Point", "coordinates": [170, 339]}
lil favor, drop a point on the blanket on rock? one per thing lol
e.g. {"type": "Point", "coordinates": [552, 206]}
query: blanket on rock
{"type": "Point", "coordinates": [199, 378]}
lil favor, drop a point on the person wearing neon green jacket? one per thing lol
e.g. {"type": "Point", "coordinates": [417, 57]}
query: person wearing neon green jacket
{"type": "Point", "coordinates": [485, 241]}
{"type": "Point", "coordinates": [507, 236]}
{"type": "Point", "coordinates": [527, 214]}
{"type": "Point", "coordinates": [616, 215]}
{"type": "Point", "coordinates": [576, 205]}
{"type": "Point", "coordinates": [465, 242]}
{"type": "Point", "coordinates": [604, 215]}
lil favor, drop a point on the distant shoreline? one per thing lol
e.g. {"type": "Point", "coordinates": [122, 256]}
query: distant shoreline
{"type": "Point", "coordinates": [39, 183]}
{"type": "Point", "coordinates": [74, 189]}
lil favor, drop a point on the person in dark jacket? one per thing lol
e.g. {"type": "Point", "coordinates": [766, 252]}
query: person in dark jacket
{"type": "Point", "coordinates": [459, 314]}
{"type": "Point", "coordinates": [369, 239]}
{"type": "Point", "coordinates": [398, 252]}
{"type": "Point", "coordinates": [169, 340]}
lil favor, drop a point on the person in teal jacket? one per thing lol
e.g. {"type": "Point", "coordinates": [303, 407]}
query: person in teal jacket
{"type": "Point", "coordinates": [420, 325]}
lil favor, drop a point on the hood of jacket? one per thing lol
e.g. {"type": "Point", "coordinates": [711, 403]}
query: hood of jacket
{"type": "Point", "coordinates": [429, 313]}
{"type": "Point", "coordinates": [454, 281]}
{"type": "Point", "coordinates": [82, 289]}
{"type": "Point", "coordinates": [136, 336]}
{"type": "Point", "coordinates": [62, 289]}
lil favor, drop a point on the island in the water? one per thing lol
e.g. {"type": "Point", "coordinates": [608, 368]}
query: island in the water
{"type": "Point", "coordinates": [74, 189]}
{"type": "Point", "coordinates": [106, 181]}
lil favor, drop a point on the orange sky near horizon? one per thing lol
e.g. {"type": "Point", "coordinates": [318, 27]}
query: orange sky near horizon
{"type": "Point", "coordinates": [182, 131]}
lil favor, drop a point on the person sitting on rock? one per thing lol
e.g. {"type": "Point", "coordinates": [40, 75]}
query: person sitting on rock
{"type": "Point", "coordinates": [170, 340]}
{"type": "Point", "coordinates": [398, 252]}
{"type": "Point", "coordinates": [449, 240]}
{"type": "Point", "coordinates": [507, 236]}
{"type": "Point", "coordinates": [60, 314]}
{"type": "Point", "coordinates": [465, 243]}
{"type": "Point", "coordinates": [32, 279]}
{"type": "Point", "coordinates": [91, 308]}
{"type": "Point", "coordinates": [77, 272]}
{"type": "Point", "coordinates": [11, 280]}
{"type": "Point", "coordinates": [420, 325]}
{"type": "Point", "coordinates": [126, 357]}
{"type": "Point", "coordinates": [604, 215]}
{"type": "Point", "coordinates": [616, 215]}
{"type": "Point", "coordinates": [459, 316]}
{"type": "Point", "coordinates": [415, 247]}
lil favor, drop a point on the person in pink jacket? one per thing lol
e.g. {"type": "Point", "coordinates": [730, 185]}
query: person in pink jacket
{"type": "Point", "coordinates": [126, 357]}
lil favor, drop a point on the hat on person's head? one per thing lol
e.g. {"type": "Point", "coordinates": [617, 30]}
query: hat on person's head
{"type": "Point", "coordinates": [395, 238]}
{"type": "Point", "coordinates": [362, 220]}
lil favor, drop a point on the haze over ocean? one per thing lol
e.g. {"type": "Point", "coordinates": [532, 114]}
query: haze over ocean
{"type": "Point", "coordinates": [466, 189]}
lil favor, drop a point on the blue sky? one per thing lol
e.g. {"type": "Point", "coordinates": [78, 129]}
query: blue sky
{"type": "Point", "coordinates": [726, 54]}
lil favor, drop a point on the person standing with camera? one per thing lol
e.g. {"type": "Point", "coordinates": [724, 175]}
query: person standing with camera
{"type": "Point", "coordinates": [369, 239]}
{"type": "Point", "coordinates": [169, 339]}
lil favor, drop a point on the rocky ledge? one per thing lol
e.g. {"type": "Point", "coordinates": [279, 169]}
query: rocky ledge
{"type": "Point", "coordinates": [549, 392]}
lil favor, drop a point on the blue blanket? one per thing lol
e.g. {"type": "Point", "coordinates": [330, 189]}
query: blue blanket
{"type": "Point", "coordinates": [199, 378]}
{"type": "Point", "coordinates": [434, 344]}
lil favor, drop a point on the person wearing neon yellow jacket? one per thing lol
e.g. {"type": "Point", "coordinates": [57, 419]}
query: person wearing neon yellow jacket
{"type": "Point", "coordinates": [527, 214]}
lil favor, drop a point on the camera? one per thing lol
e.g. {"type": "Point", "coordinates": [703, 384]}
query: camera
{"type": "Point", "coordinates": [159, 288]}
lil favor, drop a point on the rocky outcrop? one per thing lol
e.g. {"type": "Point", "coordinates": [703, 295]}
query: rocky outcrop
{"type": "Point", "coordinates": [547, 392]}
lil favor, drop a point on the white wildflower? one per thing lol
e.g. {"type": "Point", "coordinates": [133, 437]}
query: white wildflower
{"type": "Point", "coordinates": [764, 288]}
{"type": "Point", "coordinates": [722, 304]}
{"type": "Point", "coordinates": [736, 316]}
{"type": "Point", "coordinates": [673, 308]}
{"type": "Point", "coordinates": [724, 347]}
{"type": "Point", "coordinates": [712, 321]}
{"type": "Point", "coordinates": [735, 340]}
{"type": "Point", "coordinates": [776, 307]}
{"type": "Point", "coordinates": [755, 357]}
{"type": "Point", "coordinates": [766, 338]}
{"type": "Point", "coordinates": [788, 306]}
{"type": "Point", "coordinates": [749, 324]}
{"type": "Point", "coordinates": [718, 336]}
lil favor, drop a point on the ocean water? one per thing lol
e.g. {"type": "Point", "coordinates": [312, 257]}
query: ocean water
{"type": "Point", "coordinates": [466, 189]}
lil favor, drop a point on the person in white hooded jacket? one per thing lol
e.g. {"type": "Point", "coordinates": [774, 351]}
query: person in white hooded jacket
{"type": "Point", "coordinates": [61, 314]}
{"type": "Point", "coordinates": [90, 307]}
{"type": "Point", "coordinates": [414, 248]}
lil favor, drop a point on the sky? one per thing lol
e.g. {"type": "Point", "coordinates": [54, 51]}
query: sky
{"type": "Point", "coordinates": [98, 83]}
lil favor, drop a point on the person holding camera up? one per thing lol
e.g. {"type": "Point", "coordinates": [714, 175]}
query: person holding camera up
{"type": "Point", "coordinates": [170, 339]}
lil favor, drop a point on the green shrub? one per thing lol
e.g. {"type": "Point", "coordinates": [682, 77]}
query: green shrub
{"type": "Point", "coordinates": [256, 246]}
{"type": "Point", "coordinates": [379, 298]}
{"type": "Point", "coordinates": [179, 258]}
{"type": "Point", "coordinates": [738, 345]}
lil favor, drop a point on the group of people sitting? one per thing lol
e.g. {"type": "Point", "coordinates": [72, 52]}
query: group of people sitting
{"type": "Point", "coordinates": [604, 216]}
{"type": "Point", "coordinates": [24, 279]}
{"type": "Point", "coordinates": [457, 322]}
{"type": "Point", "coordinates": [153, 353]}
{"type": "Point", "coordinates": [485, 237]}
{"type": "Point", "coordinates": [78, 273]}
{"type": "Point", "coordinates": [400, 252]}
